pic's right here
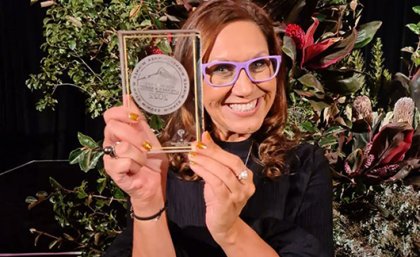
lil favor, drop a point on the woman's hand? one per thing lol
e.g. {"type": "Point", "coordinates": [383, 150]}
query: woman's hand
{"type": "Point", "coordinates": [225, 195]}
{"type": "Point", "coordinates": [140, 174]}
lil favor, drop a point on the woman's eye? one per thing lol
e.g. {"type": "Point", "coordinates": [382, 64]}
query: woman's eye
{"type": "Point", "coordinates": [220, 68]}
{"type": "Point", "coordinates": [259, 64]}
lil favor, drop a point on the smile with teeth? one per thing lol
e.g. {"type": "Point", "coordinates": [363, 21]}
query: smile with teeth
{"type": "Point", "coordinates": [244, 107]}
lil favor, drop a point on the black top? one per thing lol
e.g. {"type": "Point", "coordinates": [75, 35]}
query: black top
{"type": "Point", "coordinates": [292, 214]}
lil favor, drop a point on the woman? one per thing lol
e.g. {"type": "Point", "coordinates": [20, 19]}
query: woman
{"type": "Point", "coordinates": [259, 194]}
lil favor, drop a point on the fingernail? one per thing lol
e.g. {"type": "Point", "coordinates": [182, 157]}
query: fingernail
{"type": "Point", "coordinates": [208, 136]}
{"type": "Point", "coordinates": [146, 145]}
{"type": "Point", "coordinates": [201, 145]}
{"type": "Point", "coordinates": [192, 155]}
{"type": "Point", "coordinates": [133, 116]}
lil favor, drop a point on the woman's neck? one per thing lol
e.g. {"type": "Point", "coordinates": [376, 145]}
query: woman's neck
{"type": "Point", "coordinates": [230, 136]}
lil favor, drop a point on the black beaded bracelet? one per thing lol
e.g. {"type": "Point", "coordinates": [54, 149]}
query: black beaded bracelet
{"type": "Point", "coordinates": [153, 217]}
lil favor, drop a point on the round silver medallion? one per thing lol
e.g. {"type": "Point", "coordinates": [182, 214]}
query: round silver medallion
{"type": "Point", "coordinates": [159, 84]}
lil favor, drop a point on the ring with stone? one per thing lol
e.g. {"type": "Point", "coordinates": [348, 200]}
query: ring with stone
{"type": "Point", "coordinates": [110, 150]}
{"type": "Point", "coordinates": [243, 175]}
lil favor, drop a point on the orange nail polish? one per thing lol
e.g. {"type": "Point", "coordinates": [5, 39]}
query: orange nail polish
{"type": "Point", "coordinates": [146, 145]}
{"type": "Point", "coordinates": [133, 116]}
{"type": "Point", "coordinates": [208, 135]}
{"type": "Point", "coordinates": [201, 145]}
{"type": "Point", "coordinates": [192, 154]}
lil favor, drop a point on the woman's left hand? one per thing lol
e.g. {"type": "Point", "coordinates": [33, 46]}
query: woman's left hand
{"type": "Point", "coordinates": [225, 195]}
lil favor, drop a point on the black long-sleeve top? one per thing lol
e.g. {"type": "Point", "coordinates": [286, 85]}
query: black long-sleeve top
{"type": "Point", "coordinates": [293, 214]}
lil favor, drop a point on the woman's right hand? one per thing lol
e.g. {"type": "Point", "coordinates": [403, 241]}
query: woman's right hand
{"type": "Point", "coordinates": [140, 174]}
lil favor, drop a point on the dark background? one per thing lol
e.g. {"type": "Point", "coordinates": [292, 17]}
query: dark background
{"type": "Point", "coordinates": [26, 134]}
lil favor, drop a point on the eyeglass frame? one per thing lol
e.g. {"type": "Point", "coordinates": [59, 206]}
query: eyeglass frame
{"type": "Point", "coordinates": [239, 66]}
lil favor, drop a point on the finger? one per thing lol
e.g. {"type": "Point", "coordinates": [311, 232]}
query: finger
{"type": "Point", "coordinates": [212, 150]}
{"type": "Point", "coordinates": [240, 191]}
{"type": "Point", "coordinates": [130, 114]}
{"type": "Point", "coordinates": [119, 131]}
{"type": "Point", "coordinates": [123, 149]}
{"type": "Point", "coordinates": [123, 114]}
{"type": "Point", "coordinates": [216, 185]}
{"type": "Point", "coordinates": [128, 175]}
{"type": "Point", "coordinates": [219, 170]}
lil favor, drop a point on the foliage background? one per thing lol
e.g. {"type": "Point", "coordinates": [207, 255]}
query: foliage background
{"type": "Point", "coordinates": [82, 57]}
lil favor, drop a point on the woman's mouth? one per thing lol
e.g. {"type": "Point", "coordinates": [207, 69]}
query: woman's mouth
{"type": "Point", "coordinates": [245, 107]}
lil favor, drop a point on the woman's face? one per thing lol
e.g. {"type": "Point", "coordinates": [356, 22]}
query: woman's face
{"type": "Point", "coordinates": [239, 110]}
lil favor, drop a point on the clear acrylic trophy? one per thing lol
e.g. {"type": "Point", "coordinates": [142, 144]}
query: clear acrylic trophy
{"type": "Point", "coordinates": [159, 84]}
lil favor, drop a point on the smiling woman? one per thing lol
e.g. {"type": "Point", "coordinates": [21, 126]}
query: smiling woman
{"type": "Point", "coordinates": [245, 190]}
{"type": "Point", "coordinates": [239, 103]}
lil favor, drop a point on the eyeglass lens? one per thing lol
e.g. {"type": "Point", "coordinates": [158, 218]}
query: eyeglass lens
{"type": "Point", "coordinates": [258, 70]}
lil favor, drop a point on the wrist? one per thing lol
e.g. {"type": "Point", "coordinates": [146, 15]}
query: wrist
{"type": "Point", "coordinates": [154, 217]}
{"type": "Point", "coordinates": [229, 237]}
{"type": "Point", "coordinates": [147, 208]}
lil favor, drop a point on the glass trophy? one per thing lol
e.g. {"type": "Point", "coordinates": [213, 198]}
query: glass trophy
{"type": "Point", "coordinates": [160, 85]}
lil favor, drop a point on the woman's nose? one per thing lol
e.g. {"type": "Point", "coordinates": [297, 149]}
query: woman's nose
{"type": "Point", "coordinates": [243, 85]}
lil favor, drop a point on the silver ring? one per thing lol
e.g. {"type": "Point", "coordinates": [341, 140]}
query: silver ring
{"type": "Point", "coordinates": [243, 175]}
{"type": "Point", "coordinates": [110, 150]}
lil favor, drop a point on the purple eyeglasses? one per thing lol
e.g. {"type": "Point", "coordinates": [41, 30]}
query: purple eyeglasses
{"type": "Point", "coordinates": [224, 73]}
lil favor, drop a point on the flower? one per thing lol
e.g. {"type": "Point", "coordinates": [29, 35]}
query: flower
{"type": "Point", "coordinates": [295, 32]}
{"type": "Point", "coordinates": [382, 156]}
{"type": "Point", "coordinates": [392, 142]}
{"type": "Point", "coordinates": [315, 55]}
{"type": "Point", "coordinates": [404, 110]}
{"type": "Point", "coordinates": [362, 108]}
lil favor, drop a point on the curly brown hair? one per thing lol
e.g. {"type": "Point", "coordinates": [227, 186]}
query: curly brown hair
{"type": "Point", "coordinates": [210, 18]}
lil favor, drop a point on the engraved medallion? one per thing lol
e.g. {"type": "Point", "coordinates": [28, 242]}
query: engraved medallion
{"type": "Point", "coordinates": [159, 84]}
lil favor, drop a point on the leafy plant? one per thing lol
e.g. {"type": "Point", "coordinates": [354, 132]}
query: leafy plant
{"type": "Point", "coordinates": [90, 214]}
{"type": "Point", "coordinates": [82, 47]}
{"type": "Point", "coordinates": [335, 102]}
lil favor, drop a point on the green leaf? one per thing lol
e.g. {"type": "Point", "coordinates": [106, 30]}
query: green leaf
{"type": "Point", "coordinates": [41, 195]}
{"type": "Point", "coordinates": [165, 47]}
{"type": "Point", "coordinates": [414, 28]}
{"type": "Point", "coordinates": [101, 184]}
{"type": "Point", "coordinates": [81, 194]}
{"type": "Point", "coordinates": [334, 130]}
{"type": "Point", "coordinates": [327, 141]}
{"type": "Point", "coordinates": [94, 160]}
{"type": "Point", "coordinates": [318, 105]}
{"type": "Point", "coordinates": [118, 194]}
{"type": "Point", "coordinates": [289, 48]}
{"type": "Point", "coordinates": [146, 23]}
{"type": "Point", "coordinates": [309, 80]}
{"type": "Point", "coordinates": [55, 184]}
{"type": "Point", "coordinates": [30, 199]}
{"type": "Point", "coordinates": [343, 81]}
{"type": "Point", "coordinates": [84, 163]}
{"type": "Point", "coordinates": [156, 122]}
{"type": "Point", "coordinates": [366, 33]}
{"type": "Point", "coordinates": [308, 127]}
{"type": "Point", "coordinates": [416, 9]}
{"type": "Point", "coordinates": [75, 156]}
{"type": "Point", "coordinates": [86, 141]}
{"type": "Point", "coordinates": [72, 44]}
